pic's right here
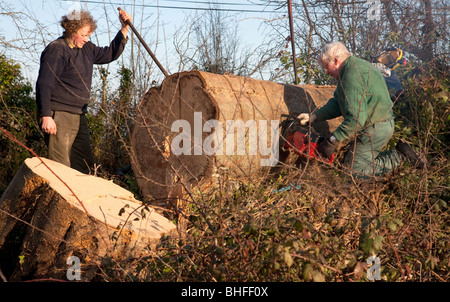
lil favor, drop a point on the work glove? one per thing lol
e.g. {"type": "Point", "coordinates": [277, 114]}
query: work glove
{"type": "Point", "coordinates": [327, 147]}
{"type": "Point", "coordinates": [305, 118]}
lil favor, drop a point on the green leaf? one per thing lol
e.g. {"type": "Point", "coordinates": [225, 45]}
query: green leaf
{"type": "Point", "coordinates": [378, 242]}
{"type": "Point", "coordinates": [318, 277]}
{"type": "Point", "coordinates": [288, 258]}
{"type": "Point", "coordinates": [392, 226]}
{"type": "Point", "coordinates": [276, 265]}
{"type": "Point", "coordinates": [365, 242]}
{"type": "Point", "coordinates": [308, 272]}
{"type": "Point", "coordinates": [442, 95]}
{"type": "Point", "coordinates": [298, 226]}
{"type": "Point", "coordinates": [398, 222]}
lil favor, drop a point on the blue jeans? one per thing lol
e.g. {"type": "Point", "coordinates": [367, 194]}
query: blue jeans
{"type": "Point", "coordinates": [364, 157]}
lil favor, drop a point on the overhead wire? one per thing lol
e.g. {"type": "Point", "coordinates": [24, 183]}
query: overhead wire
{"type": "Point", "coordinates": [186, 7]}
{"type": "Point", "coordinates": [225, 3]}
{"type": "Point", "coordinates": [277, 6]}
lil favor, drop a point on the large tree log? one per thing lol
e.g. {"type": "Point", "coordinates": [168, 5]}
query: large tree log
{"type": "Point", "coordinates": [45, 219]}
{"type": "Point", "coordinates": [184, 104]}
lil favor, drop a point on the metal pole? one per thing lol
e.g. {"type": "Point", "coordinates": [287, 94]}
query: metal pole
{"type": "Point", "coordinates": [291, 25]}
{"type": "Point", "coordinates": [146, 46]}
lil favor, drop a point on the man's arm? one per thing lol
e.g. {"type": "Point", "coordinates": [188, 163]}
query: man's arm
{"type": "Point", "coordinates": [105, 55]}
{"type": "Point", "coordinates": [124, 17]}
{"type": "Point", "coordinates": [328, 111]}
{"type": "Point", "coordinates": [52, 65]}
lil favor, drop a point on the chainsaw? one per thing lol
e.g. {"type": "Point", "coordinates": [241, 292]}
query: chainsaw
{"type": "Point", "coordinates": [300, 139]}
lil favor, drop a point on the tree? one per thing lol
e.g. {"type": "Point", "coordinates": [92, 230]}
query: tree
{"type": "Point", "coordinates": [211, 43]}
{"type": "Point", "coordinates": [418, 27]}
{"type": "Point", "coordinates": [217, 45]}
{"type": "Point", "coordinates": [17, 116]}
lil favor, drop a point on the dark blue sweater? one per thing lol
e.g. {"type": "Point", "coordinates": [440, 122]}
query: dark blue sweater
{"type": "Point", "coordinates": [65, 74]}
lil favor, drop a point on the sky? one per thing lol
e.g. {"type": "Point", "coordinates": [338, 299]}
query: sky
{"type": "Point", "coordinates": [162, 18]}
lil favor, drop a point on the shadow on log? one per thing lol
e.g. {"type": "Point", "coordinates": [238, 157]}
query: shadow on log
{"type": "Point", "coordinates": [197, 123]}
{"type": "Point", "coordinates": [43, 222]}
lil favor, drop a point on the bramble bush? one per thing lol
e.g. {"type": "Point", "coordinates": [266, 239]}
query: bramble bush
{"type": "Point", "coordinates": [324, 230]}
{"type": "Point", "coordinates": [327, 229]}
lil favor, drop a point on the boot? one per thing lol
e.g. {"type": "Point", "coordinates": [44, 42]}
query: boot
{"type": "Point", "coordinates": [408, 154]}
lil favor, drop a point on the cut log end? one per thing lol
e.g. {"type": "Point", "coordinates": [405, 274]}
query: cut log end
{"type": "Point", "coordinates": [50, 212]}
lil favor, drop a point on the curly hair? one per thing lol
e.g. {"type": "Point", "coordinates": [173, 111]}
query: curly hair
{"type": "Point", "coordinates": [76, 20]}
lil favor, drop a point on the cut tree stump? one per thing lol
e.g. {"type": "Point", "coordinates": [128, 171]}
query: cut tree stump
{"type": "Point", "coordinates": [176, 121]}
{"type": "Point", "coordinates": [43, 222]}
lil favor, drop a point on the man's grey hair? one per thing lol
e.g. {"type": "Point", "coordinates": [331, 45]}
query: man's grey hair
{"type": "Point", "coordinates": [333, 50]}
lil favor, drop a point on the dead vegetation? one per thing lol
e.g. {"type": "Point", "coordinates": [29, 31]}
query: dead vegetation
{"type": "Point", "coordinates": [307, 223]}
{"type": "Point", "coordinates": [325, 230]}
{"type": "Point", "coordinates": [311, 222]}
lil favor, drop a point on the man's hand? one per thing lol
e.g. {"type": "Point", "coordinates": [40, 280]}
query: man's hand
{"type": "Point", "coordinates": [48, 125]}
{"type": "Point", "coordinates": [124, 17]}
{"type": "Point", "coordinates": [305, 118]}
{"type": "Point", "coordinates": [327, 147]}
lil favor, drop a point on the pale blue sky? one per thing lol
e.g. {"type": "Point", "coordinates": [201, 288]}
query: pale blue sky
{"type": "Point", "coordinates": [161, 23]}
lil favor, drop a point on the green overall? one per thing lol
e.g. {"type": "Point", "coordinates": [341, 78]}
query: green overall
{"type": "Point", "coordinates": [362, 98]}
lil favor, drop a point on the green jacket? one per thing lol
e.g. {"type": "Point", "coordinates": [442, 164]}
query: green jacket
{"type": "Point", "coordinates": [361, 97]}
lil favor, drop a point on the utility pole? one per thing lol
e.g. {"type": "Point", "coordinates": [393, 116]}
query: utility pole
{"type": "Point", "coordinates": [291, 25]}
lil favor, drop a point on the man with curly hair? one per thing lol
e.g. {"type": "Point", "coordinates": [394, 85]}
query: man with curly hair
{"type": "Point", "coordinates": [64, 83]}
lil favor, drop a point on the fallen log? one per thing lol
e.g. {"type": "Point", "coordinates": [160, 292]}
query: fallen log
{"type": "Point", "coordinates": [197, 123]}
{"type": "Point", "coordinates": [50, 212]}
